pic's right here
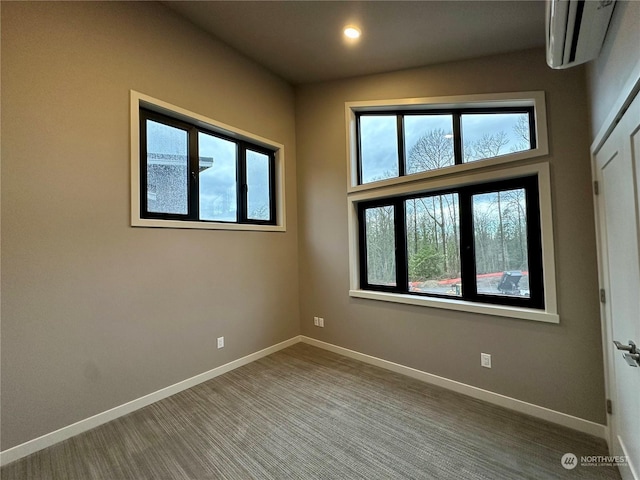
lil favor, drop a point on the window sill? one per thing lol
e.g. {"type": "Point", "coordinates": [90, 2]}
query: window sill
{"type": "Point", "coordinates": [453, 170]}
{"type": "Point", "coordinates": [460, 305]}
{"type": "Point", "coordinates": [143, 222]}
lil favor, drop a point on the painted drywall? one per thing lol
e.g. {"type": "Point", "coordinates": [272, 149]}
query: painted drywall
{"type": "Point", "coordinates": [554, 366]}
{"type": "Point", "coordinates": [620, 53]}
{"type": "Point", "coordinates": [96, 313]}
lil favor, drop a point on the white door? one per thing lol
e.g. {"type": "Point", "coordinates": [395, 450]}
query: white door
{"type": "Point", "coordinates": [617, 170]}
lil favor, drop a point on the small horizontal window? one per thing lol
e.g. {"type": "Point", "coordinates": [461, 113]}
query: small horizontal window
{"type": "Point", "coordinates": [189, 171]}
{"type": "Point", "coordinates": [403, 143]}
{"type": "Point", "coordinates": [191, 174]}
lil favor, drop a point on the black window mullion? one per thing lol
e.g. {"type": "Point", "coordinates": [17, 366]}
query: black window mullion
{"type": "Point", "coordinates": [401, 146]}
{"type": "Point", "coordinates": [241, 166]}
{"type": "Point", "coordinates": [457, 138]}
{"type": "Point", "coordinates": [272, 188]}
{"type": "Point", "coordinates": [402, 276]}
{"type": "Point", "coordinates": [467, 247]}
{"type": "Point", "coordinates": [532, 129]}
{"type": "Point", "coordinates": [359, 150]}
{"type": "Point", "coordinates": [193, 192]}
{"type": "Point", "coordinates": [534, 243]}
{"type": "Point", "coordinates": [144, 207]}
{"type": "Point", "coordinates": [362, 244]}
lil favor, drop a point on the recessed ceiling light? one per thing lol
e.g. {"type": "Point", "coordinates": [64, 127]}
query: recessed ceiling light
{"type": "Point", "coordinates": [352, 32]}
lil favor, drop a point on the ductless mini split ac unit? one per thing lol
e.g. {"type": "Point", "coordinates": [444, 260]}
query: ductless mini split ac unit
{"type": "Point", "coordinates": [576, 30]}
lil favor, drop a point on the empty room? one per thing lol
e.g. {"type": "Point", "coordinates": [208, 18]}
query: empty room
{"type": "Point", "coordinates": [320, 240]}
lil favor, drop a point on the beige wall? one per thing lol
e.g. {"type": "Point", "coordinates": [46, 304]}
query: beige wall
{"type": "Point", "coordinates": [555, 366]}
{"type": "Point", "coordinates": [96, 313]}
{"type": "Point", "coordinates": [611, 70]}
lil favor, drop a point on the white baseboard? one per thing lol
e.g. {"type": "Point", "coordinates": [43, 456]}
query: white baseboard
{"type": "Point", "coordinates": [32, 446]}
{"type": "Point", "coordinates": [543, 413]}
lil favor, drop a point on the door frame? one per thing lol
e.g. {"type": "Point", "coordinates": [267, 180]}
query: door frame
{"type": "Point", "coordinates": [619, 107]}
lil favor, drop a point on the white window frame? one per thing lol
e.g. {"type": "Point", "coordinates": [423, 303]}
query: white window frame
{"type": "Point", "coordinates": [499, 168]}
{"type": "Point", "coordinates": [140, 100]}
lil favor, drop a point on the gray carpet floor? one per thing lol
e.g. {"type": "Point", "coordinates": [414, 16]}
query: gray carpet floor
{"type": "Point", "coordinates": [305, 413]}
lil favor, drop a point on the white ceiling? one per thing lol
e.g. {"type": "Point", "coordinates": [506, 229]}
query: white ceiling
{"type": "Point", "coordinates": [302, 42]}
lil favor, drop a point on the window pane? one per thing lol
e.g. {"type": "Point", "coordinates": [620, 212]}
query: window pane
{"type": "Point", "coordinates": [378, 147]}
{"type": "Point", "coordinates": [500, 239]}
{"type": "Point", "coordinates": [433, 244]}
{"type": "Point", "coordinates": [428, 142]}
{"type": "Point", "coordinates": [258, 192]}
{"type": "Point", "coordinates": [167, 169]}
{"type": "Point", "coordinates": [218, 188]}
{"type": "Point", "coordinates": [487, 135]}
{"type": "Point", "coordinates": [381, 246]}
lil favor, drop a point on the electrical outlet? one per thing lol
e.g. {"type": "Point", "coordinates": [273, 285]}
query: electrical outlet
{"type": "Point", "coordinates": [220, 342]}
{"type": "Point", "coordinates": [321, 322]}
{"type": "Point", "coordinates": [315, 321]}
{"type": "Point", "coordinates": [485, 360]}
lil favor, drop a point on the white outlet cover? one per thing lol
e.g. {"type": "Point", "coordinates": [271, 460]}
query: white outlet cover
{"type": "Point", "coordinates": [321, 322]}
{"type": "Point", "coordinates": [220, 342]}
{"type": "Point", "coordinates": [485, 360]}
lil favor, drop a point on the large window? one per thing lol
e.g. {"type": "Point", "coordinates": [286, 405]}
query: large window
{"type": "Point", "coordinates": [441, 214]}
{"type": "Point", "coordinates": [479, 243]}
